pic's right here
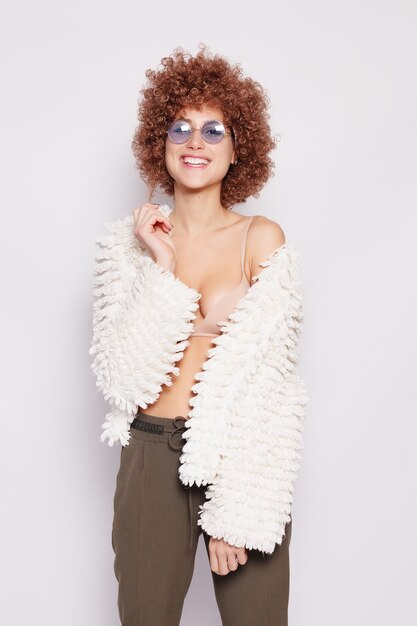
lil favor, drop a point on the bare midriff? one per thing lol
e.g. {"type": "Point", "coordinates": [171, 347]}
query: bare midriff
{"type": "Point", "coordinates": [174, 400]}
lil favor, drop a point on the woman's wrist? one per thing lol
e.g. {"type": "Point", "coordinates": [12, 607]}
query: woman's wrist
{"type": "Point", "coordinates": [166, 264]}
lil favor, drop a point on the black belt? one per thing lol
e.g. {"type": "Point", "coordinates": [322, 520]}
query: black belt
{"type": "Point", "coordinates": [158, 429]}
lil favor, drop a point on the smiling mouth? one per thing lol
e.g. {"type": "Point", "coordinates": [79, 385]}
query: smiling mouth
{"type": "Point", "coordinates": [194, 162]}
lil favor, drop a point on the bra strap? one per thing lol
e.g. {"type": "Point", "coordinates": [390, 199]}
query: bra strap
{"type": "Point", "coordinates": [243, 249]}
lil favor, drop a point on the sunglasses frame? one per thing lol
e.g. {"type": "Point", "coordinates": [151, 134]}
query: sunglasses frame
{"type": "Point", "coordinates": [200, 128]}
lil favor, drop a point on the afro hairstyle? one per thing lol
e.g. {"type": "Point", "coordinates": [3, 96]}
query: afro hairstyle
{"type": "Point", "coordinates": [185, 81]}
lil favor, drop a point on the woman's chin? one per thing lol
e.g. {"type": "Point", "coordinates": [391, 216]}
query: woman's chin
{"type": "Point", "coordinates": [191, 187]}
{"type": "Point", "coordinates": [194, 184]}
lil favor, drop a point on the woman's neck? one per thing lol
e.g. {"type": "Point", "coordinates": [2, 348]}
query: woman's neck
{"type": "Point", "coordinates": [198, 211]}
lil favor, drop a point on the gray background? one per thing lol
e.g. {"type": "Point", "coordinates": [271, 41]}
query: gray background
{"type": "Point", "coordinates": [341, 79]}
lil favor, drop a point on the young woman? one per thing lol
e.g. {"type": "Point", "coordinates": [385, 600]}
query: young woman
{"type": "Point", "coordinates": [201, 293]}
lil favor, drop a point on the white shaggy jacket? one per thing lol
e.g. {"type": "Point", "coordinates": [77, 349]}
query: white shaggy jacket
{"type": "Point", "coordinates": [244, 430]}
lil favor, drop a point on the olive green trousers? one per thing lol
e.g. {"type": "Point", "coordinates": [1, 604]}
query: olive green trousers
{"type": "Point", "coordinates": [155, 536]}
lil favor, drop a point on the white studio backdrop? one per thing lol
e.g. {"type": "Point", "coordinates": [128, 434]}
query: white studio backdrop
{"type": "Point", "coordinates": [341, 79]}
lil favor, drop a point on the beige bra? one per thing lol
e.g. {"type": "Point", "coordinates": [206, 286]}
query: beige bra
{"type": "Point", "coordinates": [226, 304]}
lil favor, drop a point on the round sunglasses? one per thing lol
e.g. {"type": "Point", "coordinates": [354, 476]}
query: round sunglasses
{"type": "Point", "coordinates": [212, 131]}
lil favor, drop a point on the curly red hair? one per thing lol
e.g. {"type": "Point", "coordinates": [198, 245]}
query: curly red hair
{"type": "Point", "coordinates": [187, 81]}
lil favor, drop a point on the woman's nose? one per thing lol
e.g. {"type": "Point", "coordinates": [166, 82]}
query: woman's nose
{"type": "Point", "coordinates": [196, 140]}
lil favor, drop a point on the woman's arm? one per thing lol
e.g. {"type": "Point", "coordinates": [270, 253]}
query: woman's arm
{"type": "Point", "coordinates": [141, 318]}
{"type": "Point", "coordinates": [250, 499]}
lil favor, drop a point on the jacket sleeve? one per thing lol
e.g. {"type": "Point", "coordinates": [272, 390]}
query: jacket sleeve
{"type": "Point", "coordinates": [141, 319]}
{"type": "Point", "coordinates": [249, 501]}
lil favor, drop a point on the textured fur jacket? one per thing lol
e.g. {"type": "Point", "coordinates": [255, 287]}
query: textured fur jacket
{"type": "Point", "coordinates": [245, 426]}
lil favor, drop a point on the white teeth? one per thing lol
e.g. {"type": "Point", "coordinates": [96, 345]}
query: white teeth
{"type": "Point", "coordinates": [195, 161]}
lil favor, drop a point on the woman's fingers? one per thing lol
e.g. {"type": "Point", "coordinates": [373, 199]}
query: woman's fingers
{"type": "Point", "coordinates": [236, 557]}
{"type": "Point", "coordinates": [227, 561]}
{"type": "Point", "coordinates": [242, 555]}
{"type": "Point", "coordinates": [151, 213]}
{"type": "Point", "coordinates": [149, 217]}
{"type": "Point", "coordinates": [225, 558]}
{"type": "Point", "coordinates": [164, 220]}
{"type": "Point", "coordinates": [214, 564]}
{"type": "Point", "coordinates": [232, 561]}
{"type": "Point", "coordinates": [143, 208]}
{"type": "Point", "coordinates": [156, 218]}
{"type": "Point", "coordinates": [153, 231]}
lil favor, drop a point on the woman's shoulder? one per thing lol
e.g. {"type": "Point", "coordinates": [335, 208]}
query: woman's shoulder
{"type": "Point", "coordinates": [265, 229]}
{"type": "Point", "coordinates": [265, 237]}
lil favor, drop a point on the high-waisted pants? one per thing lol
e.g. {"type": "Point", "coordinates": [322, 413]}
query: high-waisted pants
{"type": "Point", "coordinates": [155, 536]}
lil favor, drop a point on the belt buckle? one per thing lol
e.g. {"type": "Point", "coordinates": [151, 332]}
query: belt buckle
{"type": "Point", "coordinates": [179, 423]}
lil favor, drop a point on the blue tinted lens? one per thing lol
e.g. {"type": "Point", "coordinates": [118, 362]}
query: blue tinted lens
{"type": "Point", "coordinates": [213, 131]}
{"type": "Point", "coordinates": [179, 131]}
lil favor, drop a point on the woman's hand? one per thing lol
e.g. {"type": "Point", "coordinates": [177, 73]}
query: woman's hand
{"type": "Point", "coordinates": [152, 230]}
{"type": "Point", "coordinates": [223, 556]}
